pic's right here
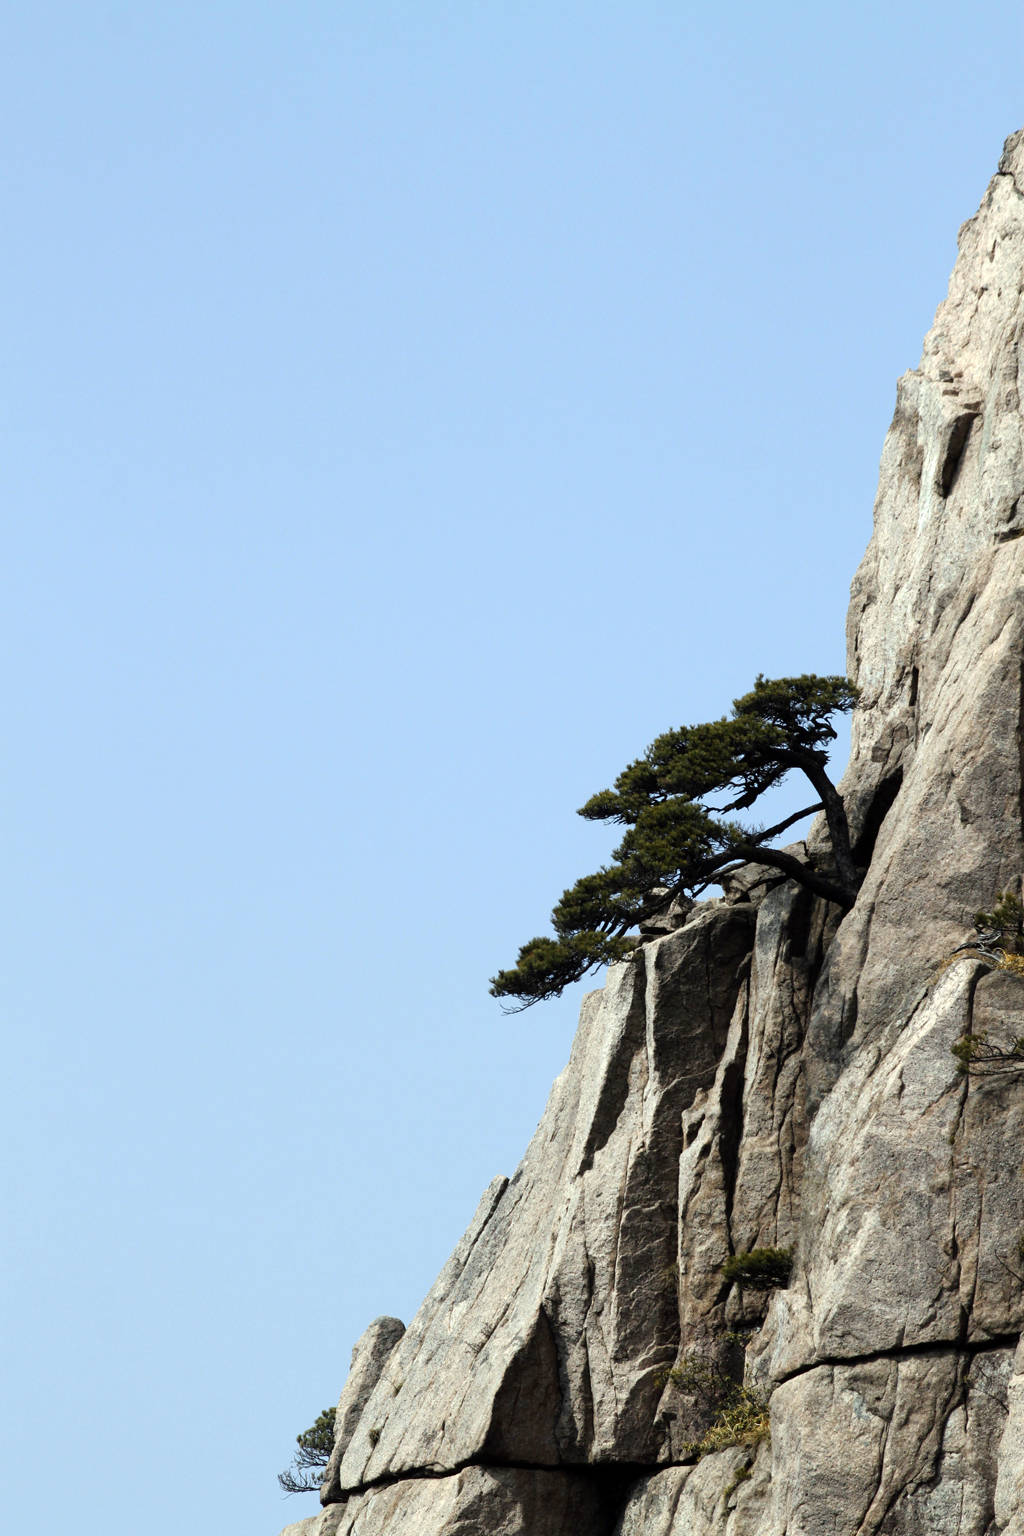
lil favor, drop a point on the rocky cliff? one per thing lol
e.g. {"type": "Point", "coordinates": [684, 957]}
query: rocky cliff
{"type": "Point", "coordinates": [769, 1073]}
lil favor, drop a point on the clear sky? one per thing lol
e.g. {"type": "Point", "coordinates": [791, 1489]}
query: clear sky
{"type": "Point", "coordinates": [410, 410]}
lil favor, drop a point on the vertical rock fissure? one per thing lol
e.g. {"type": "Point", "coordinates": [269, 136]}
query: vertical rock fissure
{"type": "Point", "coordinates": [731, 1135]}
{"type": "Point", "coordinates": [1020, 742]}
{"type": "Point", "coordinates": [881, 803]}
{"type": "Point", "coordinates": [956, 447]}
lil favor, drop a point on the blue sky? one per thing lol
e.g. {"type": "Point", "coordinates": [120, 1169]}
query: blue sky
{"type": "Point", "coordinates": [410, 411]}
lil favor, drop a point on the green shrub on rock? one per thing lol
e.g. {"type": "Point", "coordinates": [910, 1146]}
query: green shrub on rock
{"type": "Point", "coordinates": [762, 1269]}
{"type": "Point", "coordinates": [1005, 922]}
{"type": "Point", "coordinates": [673, 803]}
{"type": "Point", "coordinates": [310, 1460]}
{"type": "Point", "coordinates": [735, 1413]}
{"type": "Point", "coordinates": [979, 1056]}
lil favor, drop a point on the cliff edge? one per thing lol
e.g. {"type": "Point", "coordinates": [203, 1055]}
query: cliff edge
{"type": "Point", "coordinates": [773, 1074]}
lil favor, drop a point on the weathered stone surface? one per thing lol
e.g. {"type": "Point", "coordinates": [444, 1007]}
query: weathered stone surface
{"type": "Point", "coordinates": [479, 1501]}
{"type": "Point", "coordinates": [326, 1523]}
{"type": "Point", "coordinates": [1009, 1495]}
{"type": "Point", "coordinates": [767, 1074]}
{"type": "Point", "coordinates": [935, 620]}
{"type": "Point", "coordinates": [726, 1494]}
{"type": "Point", "coordinates": [307, 1527]}
{"type": "Point", "coordinates": [369, 1357]}
{"type": "Point", "coordinates": [740, 1169]}
{"type": "Point", "coordinates": [917, 1200]}
{"type": "Point", "coordinates": [912, 1195]}
{"type": "Point", "coordinates": [542, 1340]}
{"type": "Point", "coordinates": [902, 1444]}
{"type": "Point", "coordinates": [673, 917]}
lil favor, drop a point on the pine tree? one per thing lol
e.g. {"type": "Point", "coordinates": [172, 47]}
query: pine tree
{"type": "Point", "coordinates": [676, 843]}
{"type": "Point", "coordinates": [306, 1472]}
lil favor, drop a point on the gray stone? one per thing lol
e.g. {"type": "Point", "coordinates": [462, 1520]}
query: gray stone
{"type": "Point", "coordinates": [326, 1523]}
{"type": "Point", "coordinates": [911, 1189]}
{"type": "Point", "coordinates": [307, 1527]}
{"type": "Point", "coordinates": [369, 1357]}
{"type": "Point", "coordinates": [751, 882]}
{"type": "Point", "coordinates": [723, 1495]}
{"type": "Point", "coordinates": [674, 916]}
{"type": "Point", "coordinates": [543, 1339]}
{"type": "Point", "coordinates": [477, 1501]}
{"type": "Point", "coordinates": [1009, 1494]}
{"type": "Point", "coordinates": [769, 1072]}
{"type": "Point", "coordinates": [899, 1444]}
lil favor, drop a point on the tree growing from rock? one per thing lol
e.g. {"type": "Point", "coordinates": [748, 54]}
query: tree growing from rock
{"type": "Point", "coordinates": [759, 1269]}
{"type": "Point", "coordinates": [677, 842]}
{"type": "Point", "coordinates": [998, 943]}
{"type": "Point", "coordinates": [310, 1460]}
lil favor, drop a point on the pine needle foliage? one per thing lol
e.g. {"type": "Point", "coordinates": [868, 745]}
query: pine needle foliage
{"type": "Point", "coordinates": [677, 842]}
{"type": "Point", "coordinates": [310, 1460]}
{"type": "Point", "coordinates": [762, 1269]}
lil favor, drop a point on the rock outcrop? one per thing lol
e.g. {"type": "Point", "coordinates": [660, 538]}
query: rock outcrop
{"type": "Point", "coordinates": [770, 1072]}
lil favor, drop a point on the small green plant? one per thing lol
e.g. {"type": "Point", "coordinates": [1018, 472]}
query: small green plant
{"type": "Point", "coordinates": [998, 944]}
{"type": "Point", "coordinates": [1005, 921]}
{"type": "Point", "coordinates": [762, 1269]}
{"type": "Point", "coordinates": [738, 1413]}
{"type": "Point", "coordinates": [978, 1056]}
{"type": "Point", "coordinates": [310, 1460]}
{"type": "Point", "coordinates": [739, 1338]}
{"type": "Point", "coordinates": [374, 1436]}
{"type": "Point", "coordinates": [998, 940]}
{"type": "Point", "coordinates": [744, 1470]}
{"type": "Point", "coordinates": [699, 1379]}
{"type": "Point", "coordinates": [743, 1420]}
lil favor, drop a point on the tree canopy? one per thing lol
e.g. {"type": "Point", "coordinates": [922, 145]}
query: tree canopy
{"type": "Point", "coordinates": [306, 1472]}
{"type": "Point", "coordinates": [677, 842]}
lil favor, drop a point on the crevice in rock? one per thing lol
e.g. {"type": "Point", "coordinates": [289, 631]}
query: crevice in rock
{"type": "Point", "coordinates": [730, 1134]}
{"type": "Point", "coordinates": [615, 1477]}
{"type": "Point", "coordinates": [615, 1088]}
{"type": "Point", "coordinates": [908, 1351]}
{"type": "Point", "coordinates": [848, 1019]}
{"type": "Point", "coordinates": [798, 926]}
{"type": "Point", "coordinates": [963, 617]}
{"type": "Point", "coordinates": [978, 972]}
{"type": "Point", "coordinates": [1020, 745]}
{"type": "Point", "coordinates": [953, 454]}
{"type": "Point", "coordinates": [1009, 176]}
{"type": "Point", "coordinates": [520, 1402]}
{"type": "Point", "coordinates": [930, 1437]}
{"type": "Point", "coordinates": [880, 805]}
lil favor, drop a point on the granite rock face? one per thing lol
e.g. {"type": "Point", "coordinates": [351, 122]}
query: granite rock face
{"type": "Point", "coordinates": [725, 1494]}
{"type": "Point", "coordinates": [369, 1357]}
{"type": "Point", "coordinates": [478, 1501]}
{"type": "Point", "coordinates": [768, 1072]}
{"type": "Point", "coordinates": [543, 1339]}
